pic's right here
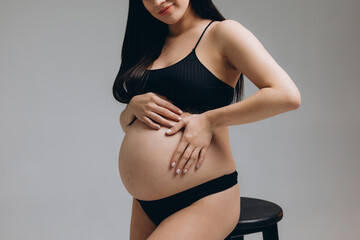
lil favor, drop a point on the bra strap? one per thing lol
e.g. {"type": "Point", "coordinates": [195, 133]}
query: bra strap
{"type": "Point", "coordinates": [203, 33]}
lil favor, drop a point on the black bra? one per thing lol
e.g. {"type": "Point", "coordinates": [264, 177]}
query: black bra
{"type": "Point", "coordinates": [189, 85]}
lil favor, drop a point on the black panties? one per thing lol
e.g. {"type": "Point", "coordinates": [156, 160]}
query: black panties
{"type": "Point", "coordinates": [159, 209]}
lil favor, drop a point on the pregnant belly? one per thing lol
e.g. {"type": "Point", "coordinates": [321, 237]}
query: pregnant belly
{"type": "Point", "coordinates": [144, 162]}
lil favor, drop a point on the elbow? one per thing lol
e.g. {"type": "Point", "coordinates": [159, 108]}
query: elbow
{"type": "Point", "coordinates": [293, 100]}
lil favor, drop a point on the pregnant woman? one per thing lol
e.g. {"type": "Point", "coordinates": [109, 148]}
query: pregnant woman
{"type": "Point", "coordinates": [181, 77]}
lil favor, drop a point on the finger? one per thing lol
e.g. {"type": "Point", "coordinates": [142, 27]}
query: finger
{"type": "Point", "coordinates": [151, 123]}
{"type": "Point", "coordinates": [167, 113]}
{"type": "Point", "coordinates": [164, 102]}
{"type": "Point", "coordinates": [178, 152]}
{"type": "Point", "coordinates": [202, 157]}
{"type": "Point", "coordinates": [159, 119]}
{"type": "Point", "coordinates": [194, 157]}
{"type": "Point", "coordinates": [185, 157]}
{"type": "Point", "coordinates": [177, 126]}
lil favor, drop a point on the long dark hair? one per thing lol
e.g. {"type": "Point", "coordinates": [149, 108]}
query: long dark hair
{"type": "Point", "coordinates": [144, 39]}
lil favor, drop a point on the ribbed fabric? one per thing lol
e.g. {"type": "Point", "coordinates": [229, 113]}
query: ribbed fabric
{"type": "Point", "coordinates": [158, 210]}
{"type": "Point", "coordinates": [189, 84]}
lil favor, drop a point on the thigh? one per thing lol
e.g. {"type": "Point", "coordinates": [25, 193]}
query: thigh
{"type": "Point", "coordinates": [211, 217]}
{"type": "Point", "coordinates": [140, 226]}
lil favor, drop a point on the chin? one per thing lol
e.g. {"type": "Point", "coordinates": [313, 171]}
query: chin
{"type": "Point", "coordinates": [170, 21]}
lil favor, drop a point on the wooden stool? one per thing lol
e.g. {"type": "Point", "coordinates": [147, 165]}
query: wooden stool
{"type": "Point", "coordinates": [257, 215]}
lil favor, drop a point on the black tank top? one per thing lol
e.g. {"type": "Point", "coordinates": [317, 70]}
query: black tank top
{"type": "Point", "coordinates": [189, 85]}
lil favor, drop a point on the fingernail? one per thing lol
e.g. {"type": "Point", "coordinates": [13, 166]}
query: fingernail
{"type": "Point", "coordinates": [178, 170]}
{"type": "Point", "coordinates": [179, 118]}
{"type": "Point", "coordinates": [169, 130]}
{"type": "Point", "coordinates": [157, 126]}
{"type": "Point", "coordinates": [185, 170]}
{"type": "Point", "coordinates": [172, 124]}
{"type": "Point", "coordinates": [173, 164]}
{"type": "Point", "coordinates": [198, 165]}
{"type": "Point", "coordinates": [180, 111]}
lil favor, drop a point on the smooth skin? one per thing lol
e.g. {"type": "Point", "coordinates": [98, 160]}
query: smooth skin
{"type": "Point", "coordinates": [152, 106]}
{"type": "Point", "coordinates": [241, 52]}
{"type": "Point", "coordinates": [277, 94]}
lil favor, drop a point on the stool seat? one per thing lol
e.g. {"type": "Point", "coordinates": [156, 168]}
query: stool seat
{"type": "Point", "coordinates": [257, 215]}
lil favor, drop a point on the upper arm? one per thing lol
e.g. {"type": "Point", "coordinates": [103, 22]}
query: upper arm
{"type": "Point", "coordinates": [244, 51]}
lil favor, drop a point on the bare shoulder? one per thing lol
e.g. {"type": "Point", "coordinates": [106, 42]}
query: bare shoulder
{"type": "Point", "coordinates": [228, 25]}
{"type": "Point", "coordinates": [243, 50]}
{"type": "Point", "coordinates": [231, 37]}
{"type": "Point", "coordinates": [228, 29]}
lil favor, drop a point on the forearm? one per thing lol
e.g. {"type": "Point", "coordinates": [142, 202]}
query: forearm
{"type": "Point", "coordinates": [265, 103]}
{"type": "Point", "coordinates": [126, 117]}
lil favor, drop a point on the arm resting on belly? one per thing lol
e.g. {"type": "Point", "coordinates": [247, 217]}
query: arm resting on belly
{"type": "Point", "coordinates": [126, 118]}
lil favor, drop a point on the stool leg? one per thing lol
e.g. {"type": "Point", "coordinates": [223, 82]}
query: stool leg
{"type": "Point", "coordinates": [271, 233]}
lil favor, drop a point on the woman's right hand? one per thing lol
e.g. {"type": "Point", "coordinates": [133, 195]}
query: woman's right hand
{"type": "Point", "coordinates": [150, 107]}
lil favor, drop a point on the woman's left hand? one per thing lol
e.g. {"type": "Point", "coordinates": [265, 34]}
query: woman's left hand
{"type": "Point", "coordinates": [196, 138]}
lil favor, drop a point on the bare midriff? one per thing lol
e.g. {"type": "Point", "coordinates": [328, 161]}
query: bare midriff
{"type": "Point", "coordinates": [144, 161]}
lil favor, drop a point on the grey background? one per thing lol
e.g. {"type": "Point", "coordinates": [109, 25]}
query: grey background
{"type": "Point", "coordinates": [60, 132]}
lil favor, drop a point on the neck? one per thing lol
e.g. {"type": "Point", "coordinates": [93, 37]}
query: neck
{"type": "Point", "coordinates": [186, 23]}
